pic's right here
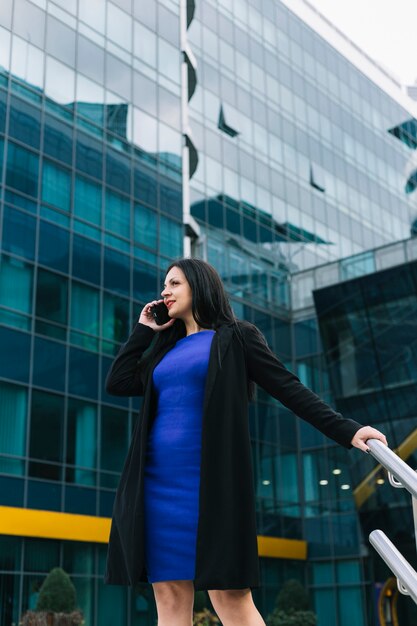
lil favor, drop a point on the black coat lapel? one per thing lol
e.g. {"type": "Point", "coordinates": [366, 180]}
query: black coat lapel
{"type": "Point", "coordinates": [219, 345]}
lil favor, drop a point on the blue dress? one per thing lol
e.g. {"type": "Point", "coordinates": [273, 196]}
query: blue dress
{"type": "Point", "coordinates": [172, 468]}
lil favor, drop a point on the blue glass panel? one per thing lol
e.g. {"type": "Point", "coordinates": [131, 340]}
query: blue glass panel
{"type": "Point", "coordinates": [83, 373]}
{"type": "Point", "coordinates": [24, 122]}
{"type": "Point", "coordinates": [116, 271]}
{"type": "Point", "coordinates": [56, 185]}
{"type": "Point", "coordinates": [145, 226]}
{"type": "Point", "coordinates": [80, 500]}
{"type": "Point", "coordinates": [106, 503]}
{"type": "Point", "coordinates": [49, 364]}
{"type": "Point", "coordinates": [118, 171]}
{"type": "Point", "coordinates": [57, 139]}
{"type": "Point", "coordinates": [145, 185]}
{"type": "Point", "coordinates": [170, 237]}
{"type": "Point", "coordinates": [3, 99]}
{"type": "Point", "coordinates": [11, 494]}
{"type": "Point", "coordinates": [351, 606]}
{"type": "Point", "coordinates": [44, 495]}
{"type": "Point", "coordinates": [325, 606]}
{"type": "Point", "coordinates": [18, 233]}
{"type": "Point", "coordinates": [170, 198]}
{"type": "Point", "coordinates": [14, 355]}
{"type": "Point", "coordinates": [145, 282]}
{"type": "Point", "coordinates": [89, 156]}
{"type": "Point", "coordinates": [22, 170]}
{"type": "Point", "coordinates": [118, 214]}
{"type": "Point", "coordinates": [47, 416]}
{"type": "Point", "coordinates": [53, 246]}
{"type": "Point", "coordinates": [86, 259]}
{"type": "Point", "coordinates": [1, 154]}
{"type": "Point", "coordinates": [87, 200]}
{"type": "Point", "coordinates": [13, 402]}
{"type": "Point", "coordinates": [16, 199]}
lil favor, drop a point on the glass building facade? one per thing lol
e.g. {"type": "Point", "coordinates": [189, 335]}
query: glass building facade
{"type": "Point", "coordinates": [133, 132]}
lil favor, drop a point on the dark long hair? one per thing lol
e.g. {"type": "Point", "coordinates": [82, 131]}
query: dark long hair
{"type": "Point", "coordinates": [210, 307]}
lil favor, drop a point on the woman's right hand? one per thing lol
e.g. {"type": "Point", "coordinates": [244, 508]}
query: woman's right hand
{"type": "Point", "coordinates": [147, 318]}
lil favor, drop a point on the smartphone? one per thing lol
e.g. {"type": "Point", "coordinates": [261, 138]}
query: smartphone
{"type": "Point", "coordinates": [160, 313]}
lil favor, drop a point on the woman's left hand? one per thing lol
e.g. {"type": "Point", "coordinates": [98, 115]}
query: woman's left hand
{"type": "Point", "coordinates": [365, 433]}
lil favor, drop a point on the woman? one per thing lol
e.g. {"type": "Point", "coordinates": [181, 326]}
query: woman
{"type": "Point", "coordinates": [184, 512]}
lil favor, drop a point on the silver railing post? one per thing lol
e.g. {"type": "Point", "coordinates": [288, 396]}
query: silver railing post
{"type": "Point", "coordinates": [400, 475]}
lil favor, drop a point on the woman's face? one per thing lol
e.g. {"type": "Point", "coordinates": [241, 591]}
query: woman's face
{"type": "Point", "coordinates": [177, 294]}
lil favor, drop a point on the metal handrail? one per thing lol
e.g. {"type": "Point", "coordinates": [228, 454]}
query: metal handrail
{"type": "Point", "coordinates": [394, 465]}
{"type": "Point", "coordinates": [406, 575]}
{"type": "Point", "coordinates": [400, 475]}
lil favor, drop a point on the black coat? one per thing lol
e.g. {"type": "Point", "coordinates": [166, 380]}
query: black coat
{"type": "Point", "coordinates": [227, 551]}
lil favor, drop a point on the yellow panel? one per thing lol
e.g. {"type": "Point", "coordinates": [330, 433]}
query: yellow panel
{"type": "Point", "coordinates": [53, 525]}
{"type": "Point", "coordinates": [72, 527]}
{"type": "Point", "coordinates": [278, 548]}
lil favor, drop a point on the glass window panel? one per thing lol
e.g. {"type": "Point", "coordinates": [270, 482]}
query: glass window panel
{"type": "Point", "coordinates": [59, 82]}
{"type": "Point", "coordinates": [16, 280]}
{"type": "Point", "coordinates": [117, 214]}
{"type": "Point", "coordinates": [145, 282]}
{"type": "Point", "coordinates": [27, 62]}
{"type": "Point", "coordinates": [49, 364]}
{"type": "Point", "coordinates": [144, 93]}
{"type": "Point", "coordinates": [170, 237]}
{"type": "Point", "coordinates": [93, 13]}
{"type": "Point", "coordinates": [118, 171]}
{"type": "Point", "coordinates": [145, 131]}
{"type": "Point", "coordinates": [19, 233]}
{"type": "Point", "coordinates": [5, 38]}
{"type": "Point", "coordinates": [114, 438]}
{"type": "Point", "coordinates": [86, 259]}
{"type": "Point", "coordinates": [57, 139]}
{"type": "Point", "coordinates": [170, 197]}
{"type": "Point", "coordinates": [348, 571]}
{"type": "Point", "coordinates": [56, 185]}
{"type": "Point", "coordinates": [115, 320]}
{"type": "Point", "coordinates": [10, 551]}
{"type": "Point", "coordinates": [112, 604]}
{"type": "Point", "coordinates": [118, 77]}
{"type": "Point", "coordinates": [89, 156]}
{"type": "Point", "coordinates": [168, 25]}
{"type": "Point", "coordinates": [116, 271]}
{"type": "Point", "coordinates": [145, 12]}
{"type": "Point", "coordinates": [325, 606]}
{"type": "Point", "coordinates": [13, 411]}
{"type": "Point", "coordinates": [22, 169]}
{"type": "Point", "coordinates": [3, 99]}
{"type": "Point", "coordinates": [14, 355]}
{"type": "Point", "coordinates": [81, 442]}
{"type": "Point", "coordinates": [145, 184]}
{"type": "Point", "coordinates": [351, 606]}
{"type": "Point", "coordinates": [83, 373]}
{"type": "Point", "coordinates": [29, 22]}
{"type": "Point", "coordinates": [90, 101]}
{"type": "Point", "coordinates": [52, 297]}
{"type": "Point", "coordinates": [44, 495]}
{"type": "Point", "coordinates": [119, 26]}
{"type": "Point", "coordinates": [53, 246]}
{"type": "Point", "coordinates": [6, 14]}
{"type": "Point", "coordinates": [60, 41]}
{"type": "Point", "coordinates": [169, 60]}
{"type": "Point", "coordinates": [169, 108]}
{"type": "Point", "coordinates": [85, 308]}
{"type": "Point", "coordinates": [24, 122]}
{"type": "Point", "coordinates": [90, 60]}
{"type": "Point", "coordinates": [41, 555]}
{"type": "Point", "coordinates": [170, 146]}
{"type": "Point", "coordinates": [47, 416]}
{"type": "Point", "coordinates": [87, 199]}
{"type": "Point", "coordinates": [145, 226]}
{"type": "Point", "coordinates": [80, 500]}
{"type": "Point", "coordinates": [144, 44]}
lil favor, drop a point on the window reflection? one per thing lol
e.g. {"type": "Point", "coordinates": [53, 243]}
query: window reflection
{"type": "Point", "coordinates": [4, 48]}
{"type": "Point", "coordinates": [29, 22]}
{"type": "Point", "coordinates": [93, 13]}
{"type": "Point", "coordinates": [60, 41]}
{"type": "Point", "coordinates": [60, 81]}
{"type": "Point", "coordinates": [119, 26]}
{"type": "Point", "coordinates": [144, 44]}
{"type": "Point", "coordinates": [27, 62]}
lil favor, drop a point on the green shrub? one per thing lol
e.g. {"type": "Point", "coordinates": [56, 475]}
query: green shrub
{"type": "Point", "coordinates": [57, 593]}
{"type": "Point", "coordinates": [293, 596]}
